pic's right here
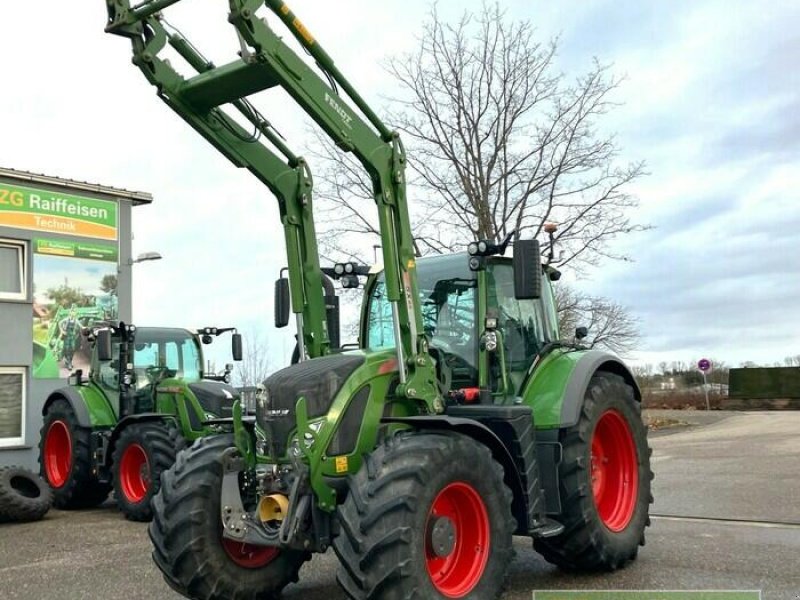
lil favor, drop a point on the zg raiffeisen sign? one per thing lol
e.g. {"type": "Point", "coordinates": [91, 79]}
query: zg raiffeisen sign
{"type": "Point", "coordinates": [57, 212]}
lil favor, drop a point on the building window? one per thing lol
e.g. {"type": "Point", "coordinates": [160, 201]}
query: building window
{"type": "Point", "coordinates": [12, 406]}
{"type": "Point", "coordinates": [13, 280]}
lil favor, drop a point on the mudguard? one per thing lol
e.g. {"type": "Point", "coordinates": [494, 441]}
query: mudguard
{"type": "Point", "coordinates": [591, 362]}
{"type": "Point", "coordinates": [91, 407]}
{"type": "Point", "coordinates": [557, 385]}
{"type": "Point", "coordinates": [130, 420]}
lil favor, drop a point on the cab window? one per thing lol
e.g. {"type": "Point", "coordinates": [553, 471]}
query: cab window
{"type": "Point", "coordinates": [523, 324]}
{"type": "Point", "coordinates": [448, 299]}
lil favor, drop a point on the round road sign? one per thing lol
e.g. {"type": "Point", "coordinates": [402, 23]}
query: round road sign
{"type": "Point", "coordinates": [704, 364]}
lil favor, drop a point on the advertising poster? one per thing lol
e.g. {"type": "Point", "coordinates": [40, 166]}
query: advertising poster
{"type": "Point", "coordinates": [75, 286]}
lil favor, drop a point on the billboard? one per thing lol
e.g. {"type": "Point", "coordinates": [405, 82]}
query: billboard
{"type": "Point", "coordinates": [57, 212]}
{"type": "Point", "coordinates": [74, 286]}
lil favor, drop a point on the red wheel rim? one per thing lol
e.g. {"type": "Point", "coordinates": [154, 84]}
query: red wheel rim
{"type": "Point", "coordinates": [134, 473]}
{"type": "Point", "coordinates": [614, 470]}
{"type": "Point", "coordinates": [249, 556]}
{"type": "Point", "coordinates": [457, 573]}
{"type": "Point", "coordinates": [57, 454]}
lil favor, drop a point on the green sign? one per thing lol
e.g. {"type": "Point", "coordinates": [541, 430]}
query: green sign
{"type": "Point", "coordinates": [106, 252]}
{"type": "Point", "coordinates": [648, 595]}
{"type": "Point", "coordinates": [57, 212]}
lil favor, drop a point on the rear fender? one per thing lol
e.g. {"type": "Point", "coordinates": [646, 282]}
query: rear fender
{"type": "Point", "coordinates": [90, 405]}
{"type": "Point", "coordinates": [557, 386]}
{"type": "Point", "coordinates": [575, 391]}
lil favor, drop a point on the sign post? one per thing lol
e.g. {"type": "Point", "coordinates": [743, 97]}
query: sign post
{"type": "Point", "coordinates": [705, 366]}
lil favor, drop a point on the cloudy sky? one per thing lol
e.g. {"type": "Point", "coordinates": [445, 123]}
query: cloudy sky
{"type": "Point", "coordinates": [710, 101]}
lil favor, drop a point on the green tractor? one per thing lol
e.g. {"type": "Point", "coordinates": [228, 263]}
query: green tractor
{"type": "Point", "coordinates": [459, 421]}
{"type": "Point", "coordinates": [145, 398]}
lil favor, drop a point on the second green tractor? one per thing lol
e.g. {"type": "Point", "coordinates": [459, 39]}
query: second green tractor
{"type": "Point", "coordinates": [146, 397]}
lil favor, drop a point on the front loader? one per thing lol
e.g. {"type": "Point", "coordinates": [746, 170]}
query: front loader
{"type": "Point", "coordinates": [461, 419]}
{"type": "Point", "coordinates": [146, 396]}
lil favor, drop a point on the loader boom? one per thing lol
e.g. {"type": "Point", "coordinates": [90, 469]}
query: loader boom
{"type": "Point", "coordinates": [265, 62]}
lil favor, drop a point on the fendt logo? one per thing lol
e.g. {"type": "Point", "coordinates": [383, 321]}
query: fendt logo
{"type": "Point", "coordinates": [339, 110]}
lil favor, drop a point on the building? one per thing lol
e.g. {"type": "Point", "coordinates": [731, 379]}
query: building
{"type": "Point", "coordinates": [65, 263]}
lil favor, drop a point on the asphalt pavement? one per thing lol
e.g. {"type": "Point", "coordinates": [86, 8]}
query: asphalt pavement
{"type": "Point", "coordinates": [728, 490]}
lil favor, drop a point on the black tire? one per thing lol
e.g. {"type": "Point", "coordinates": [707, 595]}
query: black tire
{"type": "Point", "coordinates": [77, 486]}
{"type": "Point", "coordinates": [384, 544]}
{"type": "Point", "coordinates": [186, 532]}
{"type": "Point", "coordinates": [587, 543]}
{"type": "Point", "coordinates": [23, 495]}
{"type": "Point", "coordinates": [155, 443]}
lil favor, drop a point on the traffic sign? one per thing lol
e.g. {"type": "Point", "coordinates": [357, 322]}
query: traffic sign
{"type": "Point", "coordinates": [704, 365]}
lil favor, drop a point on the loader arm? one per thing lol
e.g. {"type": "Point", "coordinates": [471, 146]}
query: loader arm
{"type": "Point", "coordinates": [268, 62]}
{"type": "Point", "coordinates": [286, 175]}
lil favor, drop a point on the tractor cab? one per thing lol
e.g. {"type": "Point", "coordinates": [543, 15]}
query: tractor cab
{"type": "Point", "coordinates": [483, 337]}
{"type": "Point", "coordinates": [132, 363]}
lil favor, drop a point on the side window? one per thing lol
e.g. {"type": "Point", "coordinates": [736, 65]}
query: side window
{"type": "Point", "coordinates": [173, 356]}
{"type": "Point", "coordinates": [522, 322]}
{"type": "Point", "coordinates": [381, 332]}
{"type": "Point", "coordinates": [13, 271]}
{"type": "Point", "coordinates": [109, 375]}
{"type": "Point", "coordinates": [191, 360]}
{"type": "Point", "coordinates": [145, 355]}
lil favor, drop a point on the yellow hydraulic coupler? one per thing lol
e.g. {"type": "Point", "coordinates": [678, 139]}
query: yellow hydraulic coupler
{"type": "Point", "coordinates": [273, 508]}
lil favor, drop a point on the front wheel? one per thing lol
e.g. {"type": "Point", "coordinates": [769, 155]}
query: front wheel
{"type": "Point", "coordinates": [604, 481]}
{"type": "Point", "coordinates": [427, 516]}
{"type": "Point", "coordinates": [186, 531]}
{"type": "Point", "coordinates": [142, 452]}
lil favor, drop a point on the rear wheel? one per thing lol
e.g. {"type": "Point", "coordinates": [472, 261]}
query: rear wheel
{"type": "Point", "coordinates": [65, 459]}
{"type": "Point", "coordinates": [186, 531]}
{"type": "Point", "coordinates": [142, 452]}
{"type": "Point", "coordinates": [427, 516]}
{"type": "Point", "coordinates": [605, 481]}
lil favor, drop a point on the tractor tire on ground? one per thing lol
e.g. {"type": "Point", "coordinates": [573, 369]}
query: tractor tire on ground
{"type": "Point", "coordinates": [186, 532]}
{"type": "Point", "coordinates": [143, 451]}
{"type": "Point", "coordinates": [65, 460]}
{"type": "Point", "coordinates": [427, 517]}
{"type": "Point", "coordinates": [23, 495]}
{"type": "Point", "coordinates": [604, 482]}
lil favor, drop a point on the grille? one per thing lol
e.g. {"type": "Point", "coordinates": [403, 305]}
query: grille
{"type": "Point", "coordinates": [318, 380]}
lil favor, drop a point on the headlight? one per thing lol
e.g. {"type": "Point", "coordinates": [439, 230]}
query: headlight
{"type": "Point", "coordinates": [262, 397]}
{"type": "Point", "coordinates": [308, 439]}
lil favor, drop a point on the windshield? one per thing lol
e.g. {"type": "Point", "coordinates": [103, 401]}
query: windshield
{"type": "Point", "coordinates": [447, 291]}
{"type": "Point", "coordinates": [175, 349]}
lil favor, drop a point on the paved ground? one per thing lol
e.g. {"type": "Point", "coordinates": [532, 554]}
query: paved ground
{"type": "Point", "coordinates": [738, 467]}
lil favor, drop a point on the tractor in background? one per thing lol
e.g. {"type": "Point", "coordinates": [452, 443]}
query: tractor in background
{"type": "Point", "coordinates": [146, 396]}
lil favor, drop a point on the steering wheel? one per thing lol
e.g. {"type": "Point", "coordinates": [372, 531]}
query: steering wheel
{"type": "Point", "coordinates": [156, 373]}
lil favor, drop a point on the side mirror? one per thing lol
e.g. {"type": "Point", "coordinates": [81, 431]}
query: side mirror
{"type": "Point", "coordinates": [581, 332]}
{"type": "Point", "coordinates": [236, 346]}
{"type": "Point", "coordinates": [103, 345]}
{"type": "Point", "coordinates": [282, 301]}
{"type": "Point", "coordinates": [527, 270]}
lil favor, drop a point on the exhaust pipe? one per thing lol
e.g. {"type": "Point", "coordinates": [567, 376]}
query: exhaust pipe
{"type": "Point", "coordinates": [273, 508]}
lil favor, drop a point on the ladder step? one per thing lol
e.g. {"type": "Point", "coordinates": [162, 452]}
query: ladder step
{"type": "Point", "coordinates": [546, 528]}
{"type": "Point", "coordinates": [227, 83]}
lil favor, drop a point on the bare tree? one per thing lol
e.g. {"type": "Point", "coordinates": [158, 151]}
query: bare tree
{"type": "Point", "coordinates": [609, 323]}
{"type": "Point", "coordinates": [498, 141]}
{"type": "Point", "coordinates": [255, 364]}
